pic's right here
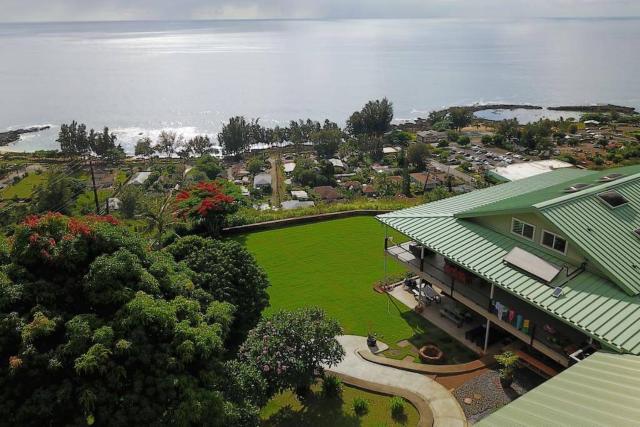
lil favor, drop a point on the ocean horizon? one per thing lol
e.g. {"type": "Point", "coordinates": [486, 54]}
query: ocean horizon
{"type": "Point", "coordinates": [140, 77]}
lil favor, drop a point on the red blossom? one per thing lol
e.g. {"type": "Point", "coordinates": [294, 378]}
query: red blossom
{"type": "Point", "coordinates": [182, 196]}
{"type": "Point", "coordinates": [77, 227]}
{"type": "Point", "coordinates": [34, 238]}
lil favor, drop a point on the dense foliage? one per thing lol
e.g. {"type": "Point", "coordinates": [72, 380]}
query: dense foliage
{"type": "Point", "coordinates": [228, 272]}
{"type": "Point", "coordinates": [208, 204]}
{"type": "Point", "coordinates": [95, 329]}
{"type": "Point", "coordinates": [291, 348]}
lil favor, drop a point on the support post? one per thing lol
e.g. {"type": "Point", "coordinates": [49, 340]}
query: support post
{"type": "Point", "coordinates": [453, 285]}
{"type": "Point", "coordinates": [95, 191]}
{"type": "Point", "coordinates": [422, 259]}
{"type": "Point", "coordinates": [486, 335]}
{"type": "Point", "coordinates": [533, 333]}
{"type": "Point", "coordinates": [491, 297]}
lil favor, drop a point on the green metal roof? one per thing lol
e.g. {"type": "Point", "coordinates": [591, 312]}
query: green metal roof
{"type": "Point", "coordinates": [607, 309]}
{"type": "Point", "coordinates": [487, 196]}
{"type": "Point", "coordinates": [590, 303]}
{"type": "Point", "coordinates": [525, 200]}
{"type": "Point", "coordinates": [606, 235]}
{"type": "Point", "coordinates": [602, 390]}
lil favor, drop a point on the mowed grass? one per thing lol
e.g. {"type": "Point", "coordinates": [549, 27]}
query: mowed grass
{"type": "Point", "coordinates": [334, 265]}
{"type": "Point", "coordinates": [24, 188]}
{"type": "Point", "coordinates": [286, 410]}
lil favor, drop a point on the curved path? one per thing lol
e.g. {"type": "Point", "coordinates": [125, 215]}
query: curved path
{"type": "Point", "coordinates": [444, 408]}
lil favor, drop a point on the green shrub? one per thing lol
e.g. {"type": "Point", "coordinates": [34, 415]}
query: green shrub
{"type": "Point", "coordinates": [360, 406]}
{"type": "Point", "coordinates": [464, 140]}
{"type": "Point", "coordinates": [397, 407]}
{"type": "Point", "coordinates": [331, 386]}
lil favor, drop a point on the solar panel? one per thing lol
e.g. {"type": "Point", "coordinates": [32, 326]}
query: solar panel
{"type": "Point", "coordinates": [557, 292]}
{"type": "Point", "coordinates": [613, 198]}
{"type": "Point", "coordinates": [531, 264]}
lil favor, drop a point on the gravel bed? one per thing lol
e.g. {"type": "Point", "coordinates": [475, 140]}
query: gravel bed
{"type": "Point", "coordinates": [484, 394]}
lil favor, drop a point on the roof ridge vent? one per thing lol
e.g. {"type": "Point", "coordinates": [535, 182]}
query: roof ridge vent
{"type": "Point", "coordinates": [576, 187]}
{"type": "Point", "coordinates": [611, 177]}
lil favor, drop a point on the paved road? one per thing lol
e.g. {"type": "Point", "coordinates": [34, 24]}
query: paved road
{"type": "Point", "coordinates": [444, 407]}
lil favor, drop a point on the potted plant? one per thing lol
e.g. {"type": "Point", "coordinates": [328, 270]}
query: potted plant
{"type": "Point", "coordinates": [507, 362]}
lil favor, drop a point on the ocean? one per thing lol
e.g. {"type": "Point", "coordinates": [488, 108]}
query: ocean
{"type": "Point", "coordinates": [141, 77]}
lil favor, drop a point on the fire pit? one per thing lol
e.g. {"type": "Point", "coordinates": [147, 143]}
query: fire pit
{"type": "Point", "coordinates": [431, 354]}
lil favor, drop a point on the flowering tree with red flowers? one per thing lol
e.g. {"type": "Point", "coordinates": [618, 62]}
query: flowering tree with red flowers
{"type": "Point", "coordinates": [208, 203]}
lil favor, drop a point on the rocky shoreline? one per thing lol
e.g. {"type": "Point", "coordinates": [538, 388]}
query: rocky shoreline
{"type": "Point", "coordinates": [10, 136]}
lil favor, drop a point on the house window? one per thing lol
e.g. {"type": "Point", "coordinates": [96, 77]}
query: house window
{"type": "Point", "coordinates": [523, 229]}
{"type": "Point", "coordinates": [553, 241]}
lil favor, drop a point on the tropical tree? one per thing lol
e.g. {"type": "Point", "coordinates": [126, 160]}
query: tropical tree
{"type": "Point", "coordinates": [200, 145]}
{"type": "Point", "coordinates": [144, 147]}
{"type": "Point", "coordinates": [235, 135]}
{"type": "Point", "coordinates": [229, 272]}
{"type": "Point", "coordinates": [209, 165]}
{"type": "Point", "coordinates": [417, 155]}
{"type": "Point", "coordinates": [327, 141]}
{"type": "Point", "coordinates": [374, 119]}
{"type": "Point", "coordinates": [73, 138]}
{"type": "Point", "coordinates": [168, 142]}
{"type": "Point", "coordinates": [58, 192]}
{"type": "Point", "coordinates": [95, 329]}
{"type": "Point", "coordinates": [160, 217]}
{"type": "Point", "coordinates": [460, 117]}
{"type": "Point", "coordinates": [208, 204]}
{"type": "Point", "coordinates": [291, 347]}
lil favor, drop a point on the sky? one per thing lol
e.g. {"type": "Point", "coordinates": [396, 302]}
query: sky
{"type": "Point", "coordinates": [109, 10]}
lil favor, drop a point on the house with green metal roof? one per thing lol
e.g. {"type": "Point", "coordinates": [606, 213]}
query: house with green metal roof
{"type": "Point", "coordinates": [552, 260]}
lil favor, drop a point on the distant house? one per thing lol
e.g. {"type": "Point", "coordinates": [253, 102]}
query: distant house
{"type": "Point", "coordinates": [338, 164]}
{"type": "Point", "coordinates": [380, 168]}
{"type": "Point", "coordinates": [327, 193]}
{"type": "Point", "coordinates": [369, 190]}
{"type": "Point", "coordinates": [295, 204]}
{"type": "Point", "coordinates": [426, 180]}
{"type": "Point", "coordinates": [140, 178]}
{"type": "Point", "coordinates": [396, 179]}
{"type": "Point", "coordinates": [300, 195]}
{"type": "Point", "coordinates": [430, 136]}
{"type": "Point", "coordinates": [289, 167]}
{"type": "Point", "coordinates": [351, 185]}
{"type": "Point", "coordinates": [389, 151]}
{"type": "Point", "coordinates": [244, 191]}
{"type": "Point", "coordinates": [591, 122]}
{"type": "Point", "coordinates": [262, 180]}
{"type": "Point", "coordinates": [114, 204]}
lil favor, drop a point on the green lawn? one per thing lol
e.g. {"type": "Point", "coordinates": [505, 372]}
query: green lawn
{"type": "Point", "coordinates": [24, 188]}
{"type": "Point", "coordinates": [334, 264]}
{"type": "Point", "coordinates": [286, 410]}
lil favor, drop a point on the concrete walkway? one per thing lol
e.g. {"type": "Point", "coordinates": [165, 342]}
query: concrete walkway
{"type": "Point", "coordinates": [444, 408]}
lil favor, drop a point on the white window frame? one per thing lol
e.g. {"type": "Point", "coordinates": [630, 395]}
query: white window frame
{"type": "Point", "coordinates": [555, 235]}
{"type": "Point", "coordinates": [514, 219]}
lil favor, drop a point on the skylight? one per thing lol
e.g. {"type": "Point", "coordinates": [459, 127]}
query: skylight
{"type": "Point", "coordinates": [611, 177]}
{"type": "Point", "coordinates": [612, 198]}
{"type": "Point", "coordinates": [576, 187]}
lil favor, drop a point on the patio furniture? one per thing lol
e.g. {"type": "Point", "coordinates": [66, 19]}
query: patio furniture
{"type": "Point", "coordinates": [452, 315]}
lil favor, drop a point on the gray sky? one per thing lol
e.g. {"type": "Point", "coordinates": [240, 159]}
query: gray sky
{"type": "Point", "coordinates": [78, 10]}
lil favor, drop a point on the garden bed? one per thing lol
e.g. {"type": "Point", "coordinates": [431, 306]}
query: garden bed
{"type": "Point", "coordinates": [286, 409]}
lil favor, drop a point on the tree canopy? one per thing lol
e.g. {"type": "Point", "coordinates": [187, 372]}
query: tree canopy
{"type": "Point", "coordinates": [228, 272]}
{"type": "Point", "coordinates": [290, 348]}
{"type": "Point", "coordinates": [94, 328]}
{"type": "Point", "coordinates": [373, 119]}
{"type": "Point", "coordinates": [234, 136]}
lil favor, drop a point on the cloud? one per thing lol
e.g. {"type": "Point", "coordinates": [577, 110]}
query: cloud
{"type": "Point", "coordinates": [78, 10]}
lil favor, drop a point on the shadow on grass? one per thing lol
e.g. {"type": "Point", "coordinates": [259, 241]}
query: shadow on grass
{"type": "Point", "coordinates": [425, 332]}
{"type": "Point", "coordinates": [316, 411]}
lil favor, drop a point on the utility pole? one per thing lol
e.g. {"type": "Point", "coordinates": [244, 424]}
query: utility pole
{"type": "Point", "coordinates": [95, 191]}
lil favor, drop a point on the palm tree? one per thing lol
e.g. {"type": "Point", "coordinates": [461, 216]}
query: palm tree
{"type": "Point", "coordinates": [160, 216]}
